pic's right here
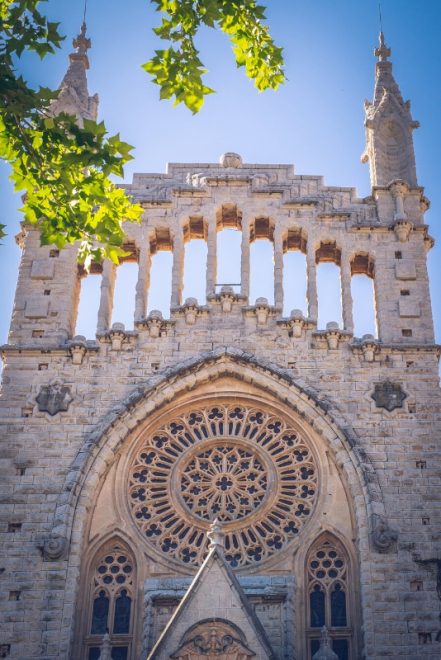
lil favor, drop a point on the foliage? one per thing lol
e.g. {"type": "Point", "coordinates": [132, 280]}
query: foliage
{"type": "Point", "coordinates": [179, 71]}
{"type": "Point", "coordinates": [63, 168]}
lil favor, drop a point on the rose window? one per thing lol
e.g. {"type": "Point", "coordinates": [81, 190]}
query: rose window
{"type": "Point", "coordinates": [242, 466]}
{"type": "Point", "coordinates": [223, 482]}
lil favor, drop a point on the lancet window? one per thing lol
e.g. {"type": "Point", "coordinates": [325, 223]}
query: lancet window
{"type": "Point", "coordinates": [111, 603]}
{"type": "Point", "coordinates": [294, 272]}
{"type": "Point", "coordinates": [329, 283]}
{"type": "Point", "coordinates": [195, 259]}
{"type": "Point", "coordinates": [89, 288]}
{"type": "Point", "coordinates": [160, 281]}
{"type": "Point", "coordinates": [125, 285]}
{"type": "Point", "coordinates": [329, 595]}
{"type": "Point", "coordinates": [262, 264]}
{"type": "Point", "coordinates": [362, 285]}
{"type": "Point", "coordinates": [227, 264]}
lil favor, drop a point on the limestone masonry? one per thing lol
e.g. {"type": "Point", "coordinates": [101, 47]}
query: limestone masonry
{"type": "Point", "coordinates": [294, 470]}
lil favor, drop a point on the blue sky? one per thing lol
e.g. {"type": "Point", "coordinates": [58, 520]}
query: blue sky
{"type": "Point", "coordinates": [315, 121]}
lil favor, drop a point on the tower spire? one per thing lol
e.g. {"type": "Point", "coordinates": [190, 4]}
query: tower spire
{"type": "Point", "coordinates": [389, 126]}
{"type": "Point", "coordinates": [382, 52]}
{"type": "Point", "coordinates": [74, 96]}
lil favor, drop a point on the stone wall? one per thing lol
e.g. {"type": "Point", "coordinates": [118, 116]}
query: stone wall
{"type": "Point", "coordinates": [61, 394]}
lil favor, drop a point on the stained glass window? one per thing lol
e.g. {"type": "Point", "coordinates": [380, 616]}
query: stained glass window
{"type": "Point", "coordinates": [341, 648]}
{"type": "Point", "coordinates": [338, 606]}
{"type": "Point", "coordinates": [112, 584]}
{"type": "Point", "coordinates": [327, 584]}
{"type": "Point", "coordinates": [317, 606]}
{"type": "Point", "coordinates": [121, 623]}
{"type": "Point", "coordinates": [99, 614]}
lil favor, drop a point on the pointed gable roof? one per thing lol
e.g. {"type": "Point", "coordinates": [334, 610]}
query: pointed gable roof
{"type": "Point", "coordinates": [389, 125]}
{"type": "Point", "coordinates": [215, 595]}
{"type": "Point", "coordinates": [387, 90]}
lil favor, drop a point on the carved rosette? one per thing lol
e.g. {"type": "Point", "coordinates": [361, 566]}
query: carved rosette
{"type": "Point", "coordinates": [244, 467]}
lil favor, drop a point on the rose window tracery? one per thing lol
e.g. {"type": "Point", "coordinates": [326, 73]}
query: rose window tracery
{"type": "Point", "coordinates": [225, 482]}
{"type": "Point", "coordinates": [247, 468]}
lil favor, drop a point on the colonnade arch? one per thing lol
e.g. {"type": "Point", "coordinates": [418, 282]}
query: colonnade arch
{"type": "Point", "coordinates": [171, 244]}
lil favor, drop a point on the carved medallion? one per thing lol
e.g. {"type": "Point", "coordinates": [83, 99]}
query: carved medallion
{"type": "Point", "coordinates": [53, 547]}
{"type": "Point", "coordinates": [388, 395]}
{"type": "Point", "coordinates": [382, 536]}
{"type": "Point", "coordinates": [213, 639]}
{"type": "Point", "coordinates": [54, 398]}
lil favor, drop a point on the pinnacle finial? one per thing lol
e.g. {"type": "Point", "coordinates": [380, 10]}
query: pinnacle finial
{"type": "Point", "coordinates": [382, 52]}
{"type": "Point", "coordinates": [325, 652]}
{"type": "Point", "coordinates": [216, 535]}
{"type": "Point", "coordinates": [82, 43]}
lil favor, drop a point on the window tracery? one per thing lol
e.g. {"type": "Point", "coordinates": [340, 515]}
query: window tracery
{"type": "Point", "coordinates": [328, 589]}
{"type": "Point", "coordinates": [244, 466]}
{"type": "Point", "coordinates": [112, 592]}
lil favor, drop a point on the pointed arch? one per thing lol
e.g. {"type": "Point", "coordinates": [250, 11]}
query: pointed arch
{"type": "Point", "coordinates": [330, 594]}
{"type": "Point", "coordinates": [151, 398]}
{"type": "Point", "coordinates": [109, 594]}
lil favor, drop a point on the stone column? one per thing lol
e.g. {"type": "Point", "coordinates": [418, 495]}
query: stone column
{"type": "Point", "coordinates": [245, 260]}
{"type": "Point", "coordinates": [143, 282]}
{"type": "Point", "coordinates": [346, 295]}
{"type": "Point", "coordinates": [178, 268]}
{"type": "Point", "coordinates": [311, 276]}
{"type": "Point", "coordinates": [278, 267]}
{"type": "Point", "coordinates": [211, 256]}
{"type": "Point", "coordinates": [106, 301]}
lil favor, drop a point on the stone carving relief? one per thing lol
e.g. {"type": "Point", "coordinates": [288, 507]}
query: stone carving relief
{"type": "Point", "coordinates": [388, 395]}
{"type": "Point", "coordinates": [54, 398]}
{"type": "Point", "coordinates": [382, 536]}
{"type": "Point", "coordinates": [213, 639]}
{"type": "Point", "coordinates": [53, 547]}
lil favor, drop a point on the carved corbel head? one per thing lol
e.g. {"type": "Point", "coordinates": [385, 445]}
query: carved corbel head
{"type": "Point", "coordinates": [382, 536]}
{"type": "Point", "coordinates": [262, 310]}
{"type": "Point", "coordinates": [402, 230]}
{"type": "Point", "coordinates": [297, 321]}
{"type": "Point", "coordinates": [53, 547]}
{"type": "Point", "coordinates": [333, 335]}
{"type": "Point", "coordinates": [191, 310]}
{"type": "Point", "coordinates": [227, 298]}
{"type": "Point", "coordinates": [117, 335]}
{"type": "Point", "coordinates": [154, 322]}
{"type": "Point", "coordinates": [369, 347]}
{"type": "Point", "coordinates": [78, 349]}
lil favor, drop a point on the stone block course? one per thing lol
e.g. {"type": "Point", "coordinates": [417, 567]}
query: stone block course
{"type": "Point", "coordinates": [366, 454]}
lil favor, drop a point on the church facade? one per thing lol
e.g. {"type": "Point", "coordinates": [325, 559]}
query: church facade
{"type": "Point", "coordinates": [309, 456]}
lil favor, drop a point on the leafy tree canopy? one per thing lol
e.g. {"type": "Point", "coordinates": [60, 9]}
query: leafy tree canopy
{"type": "Point", "coordinates": [62, 167]}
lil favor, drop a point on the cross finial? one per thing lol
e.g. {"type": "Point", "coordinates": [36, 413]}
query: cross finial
{"type": "Point", "coordinates": [216, 535]}
{"type": "Point", "coordinates": [382, 52]}
{"type": "Point", "coordinates": [324, 637]}
{"type": "Point", "coordinates": [82, 43]}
